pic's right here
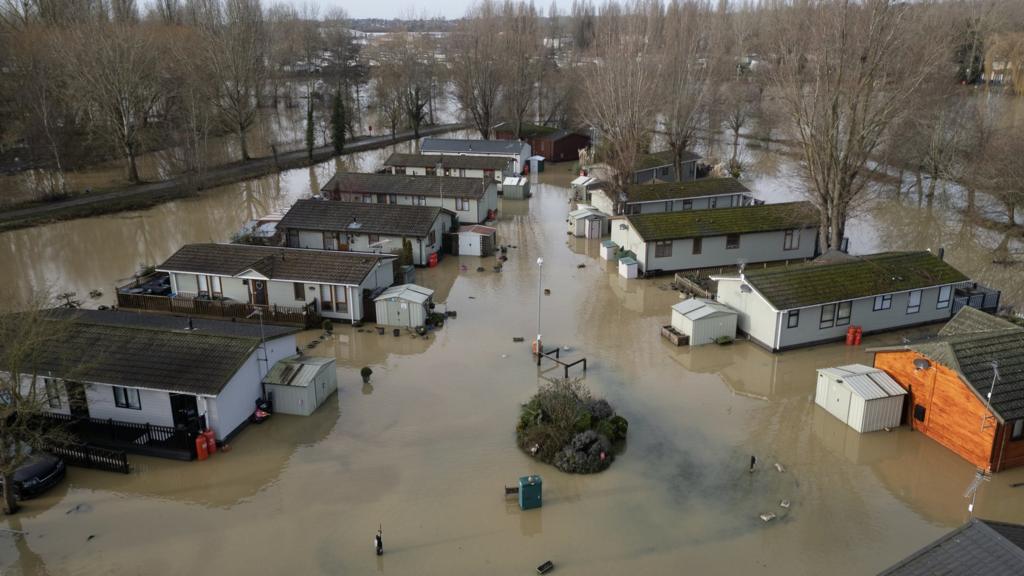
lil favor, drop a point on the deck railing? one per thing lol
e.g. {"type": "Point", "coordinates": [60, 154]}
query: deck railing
{"type": "Point", "coordinates": [88, 456]}
{"type": "Point", "coordinates": [152, 439]}
{"type": "Point", "coordinates": [189, 304]}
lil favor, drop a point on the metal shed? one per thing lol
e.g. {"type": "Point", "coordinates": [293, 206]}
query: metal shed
{"type": "Point", "coordinates": [608, 249]}
{"type": "Point", "coordinates": [477, 240]}
{"type": "Point", "coordinates": [628, 267]}
{"type": "Point", "coordinates": [300, 384]}
{"type": "Point", "coordinates": [704, 320]}
{"type": "Point", "coordinates": [515, 187]}
{"type": "Point", "coordinates": [587, 222]}
{"type": "Point", "coordinates": [406, 305]}
{"type": "Point", "coordinates": [865, 398]}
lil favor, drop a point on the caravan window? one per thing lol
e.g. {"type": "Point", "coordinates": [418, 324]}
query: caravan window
{"type": "Point", "coordinates": [793, 319]}
{"type": "Point", "coordinates": [843, 313]}
{"type": "Point", "coordinates": [52, 393]}
{"type": "Point", "coordinates": [1018, 430]}
{"type": "Point", "coordinates": [127, 398]}
{"type": "Point", "coordinates": [914, 302]}
{"type": "Point", "coordinates": [945, 295]}
{"type": "Point", "coordinates": [828, 316]}
{"type": "Point", "coordinates": [883, 302]}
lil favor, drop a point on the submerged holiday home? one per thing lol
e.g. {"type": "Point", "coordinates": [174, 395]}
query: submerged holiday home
{"type": "Point", "coordinates": [660, 166]}
{"type": "Point", "coordinates": [703, 194]}
{"type": "Point", "coordinates": [514, 150]}
{"type": "Point", "coordinates": [361, 227]}
{"type": "Point", "coordinates": [965, 387]}
{"type": "Point", "coordinates": [695, 239]}
{"type": "Point", "coordinates": [480, 167]}
{"type": "Point", "coordinates": [802, 304]}
{"type": "Point", "coordinates": [554, 144]}
{"type": "Point", "coordinates": [473, 201]}
{"type": "Point", "coordinates": [239, 280]}
{"type": "Point", "coordinates": [149, 383]}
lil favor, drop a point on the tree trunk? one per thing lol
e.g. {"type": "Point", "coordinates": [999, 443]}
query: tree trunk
{"type": "Point", "coordinates": [10, 502]}
{"type": "Point", "coordinates": [838, 226]}
{"type": "Point", "coordinates": [133, 169]}
{"type": "Point", "coordinates": [242, 144]}
{"type": "Point", "coordinates": [971, 206]}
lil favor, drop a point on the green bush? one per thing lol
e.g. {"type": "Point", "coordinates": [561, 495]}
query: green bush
{"type": "Point", "coordinates": [621, 427]}
{"type": "Point", "coordinates": [583, 422]}
{"type": "Point", "coordinates": [328, 325]}
{"type": "Point", "coordinates": [605, 428]}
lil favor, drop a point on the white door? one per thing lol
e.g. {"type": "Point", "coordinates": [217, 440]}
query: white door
{"type": "Point", "coordinates": [839, 401]}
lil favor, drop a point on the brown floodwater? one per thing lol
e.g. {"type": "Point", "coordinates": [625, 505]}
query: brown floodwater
{"type": "Point", "coordinates": [425, 449]}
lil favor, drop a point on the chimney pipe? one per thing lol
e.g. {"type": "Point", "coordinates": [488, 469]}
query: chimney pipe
{"type": "Point", "coordinates": [942, 253]}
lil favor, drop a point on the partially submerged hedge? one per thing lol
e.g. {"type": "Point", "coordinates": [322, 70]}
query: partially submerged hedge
{"type": "Point", "coordinates": [563, 425]}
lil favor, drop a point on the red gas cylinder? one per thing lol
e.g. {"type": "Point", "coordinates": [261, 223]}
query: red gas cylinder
{"type": "Point", "coordinates": [201, 452]}
{"type": "Point", "coordinates": [849, 335]}
{"type": "Point", "coordinates": [432, 260]}
{"type": "Point", "coordinates": [211, 442]}
{"type": "Point", "coordinates": [857, 335]}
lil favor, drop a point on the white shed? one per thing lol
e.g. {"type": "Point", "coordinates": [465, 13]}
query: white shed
{"type": "Point", "coordinates": [608, 249]}
{"type": "Point", "coordinates": [704, 320]}
{"type": "Point", "coordinates": [300, 384]}
{"type": "Point", "coordinates": [587, 222]}
{"type": "Point", "coordinates": [865, 398]}
{"type": "Point", "coordinates": [406, 305]}
{"type": "Point", "coordinates": [477, 240]}
{"type": "Point", "coordinates": [627, 267]}
{"type": "Point", "coordinates": [515, 187]}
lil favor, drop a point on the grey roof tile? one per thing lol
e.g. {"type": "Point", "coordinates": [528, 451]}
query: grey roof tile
{"type": "Point", "coordinates": [386, 219]}
{"type": "Point", "coordinates": [398, 184]}
{"type": "Point", "coordinates": [977, 547]}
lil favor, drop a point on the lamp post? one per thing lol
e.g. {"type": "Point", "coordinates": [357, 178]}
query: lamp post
{"type": "Point", "coordinates": [540, 292]}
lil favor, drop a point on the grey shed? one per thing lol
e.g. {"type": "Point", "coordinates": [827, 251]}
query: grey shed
{"type": "Point", "coordinates": [300, 384]}
{"type": "Point", "coordinates": [703, 320]}
{"type": "Point", "coordinates": [406, 305]}
{"type": "Point", "coordinates": [865, 398]}
{"type": "Point", "coordinates": [515, 188]}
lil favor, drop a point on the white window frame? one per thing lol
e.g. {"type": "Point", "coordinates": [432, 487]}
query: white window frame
{"type": "Point", "coordinates": [945, 297]}
{"type": "Point", "coordinates": [735, 246]}
{"type": "Point", "coordinates": [882, 302]}
{"type": "Point", "coordinates": [790, 317]}
{"type": "Point", "coordinates": [663, 249]}
{"type": "Point", "coordinates": [462, 204]}
{"type": "Point", "coordinates": [827, 320]}
{"type": "Point", "coordinates": [52, 387]}
{"type": "Point", "coordinates": [840, 319]}
{"type": "Point", "coordinates": [912, 307]}
{"type": "Point", "coordinates": [791, 240]}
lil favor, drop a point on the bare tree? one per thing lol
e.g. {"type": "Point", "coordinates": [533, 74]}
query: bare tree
{"type": "Point", "coordinates": [388, 98]}
{"type": "Point", "coordinates": [27, 337]}
{"type": "Point", "coordinates": [477, 73]}
{"type": "Point", "coordinates": [846, 72]}
{"type": "Point", "coordinates": [406, 61]}
{"type": "Point", "coordinates": [112, 69]}
{"type": "Point", "coordinates": [235, 53]}
{"type": "Point", "coordinates": [522, 48]}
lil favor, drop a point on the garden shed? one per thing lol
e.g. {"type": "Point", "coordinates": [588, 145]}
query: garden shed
{"type": "Point", "coordinates": [300, 384]}
{"type": "Point", "coordinates": [587, 222]}
{"type": "Point", "coordinates": [865, 398]}
{"type": "Point", "coordinates": [477, 240]}
{"type": "Point", "coordinates": [704, 321]}
{"type": "Point", "coordinates": [627, 267]}
{"type": "Point", "coordinates": [406, 306]}
{"type": "Point", "coordinates": [515, 188]}
{"type": "Point", "coordinates": [608, 249]}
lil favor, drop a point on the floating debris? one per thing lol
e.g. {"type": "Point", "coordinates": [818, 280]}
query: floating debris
{"type": "Point", "coordinates": [547, 291]}
{"type": "Point", "coordinates": [517, 338]}
{"type": "Point", "coordinates": [504, 355]}
{"type": "Point", "coordinates": [753, 462]}
{"type": "Point", "coordinates": [481, 269]}
{"type": "Point", "coordinates": [95, 293]}
{"type": "Point", "coordinates": [779, 467]}
{"type": "Point", "coordinates": [581, 265]}
{"type": "Point", "coordinates": [565, 348]}
{"type": "Point", "coordinates": [768, 516]}
{"type": "Point", "coordinates": [472, 297]}
{"type": "Point", "coordinates": [497, 268]}
{"type": "Point", "coordinates": [784, 504]}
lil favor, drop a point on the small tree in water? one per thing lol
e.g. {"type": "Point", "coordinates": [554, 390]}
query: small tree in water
{"type": "Point", "coordinates": [310, 134]}
{"type": "Point", "coordinates": [563, 425]}
{"type": "Point", "coordinates": [28, 338]}
{"type": "Point", "coordinates": [338, 123]}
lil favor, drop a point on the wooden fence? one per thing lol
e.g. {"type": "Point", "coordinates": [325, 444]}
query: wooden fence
{"type": "Point", "coordinates": [95, 457]}
{"type": "Point", "coordinates": [191, 306]}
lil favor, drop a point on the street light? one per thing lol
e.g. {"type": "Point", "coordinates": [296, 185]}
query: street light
{"type": "Point", "coordinates": [540, 292]}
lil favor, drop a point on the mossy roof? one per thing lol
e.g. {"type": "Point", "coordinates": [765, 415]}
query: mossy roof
{"type": "Point", "coordinates": [820, 282]}
{"type": "Point", "coordinates": [722, 221]}
{"type": "Point", "coordinates": [687, 189]}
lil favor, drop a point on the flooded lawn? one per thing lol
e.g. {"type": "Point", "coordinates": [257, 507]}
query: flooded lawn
{"type": "Point", "coordinates": [425, 449]}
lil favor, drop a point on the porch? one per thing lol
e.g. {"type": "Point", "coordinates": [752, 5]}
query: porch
{"type": "Point", "coordinates": [975, 295]}
{"type": "Point", "coordinates": [144, 439]}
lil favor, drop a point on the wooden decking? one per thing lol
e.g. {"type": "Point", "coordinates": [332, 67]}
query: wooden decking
{"type": "Point", "coordinates": [192, 306]}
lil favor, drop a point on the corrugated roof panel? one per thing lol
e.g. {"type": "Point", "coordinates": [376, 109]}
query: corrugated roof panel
{"type": "Point", "coordinates": [885, 382]}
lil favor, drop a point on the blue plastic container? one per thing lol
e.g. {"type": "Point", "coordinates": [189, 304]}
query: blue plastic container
{"type": "Point", "coordinates": [530, 488]}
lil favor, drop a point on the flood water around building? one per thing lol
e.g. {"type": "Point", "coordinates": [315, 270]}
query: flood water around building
{"type": "Point", "coordinates": [424, 450]}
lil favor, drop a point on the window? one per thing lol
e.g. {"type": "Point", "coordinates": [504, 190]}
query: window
{"type": "Point", "coordinates": [687, 204]}
{"type": "Point", "coordinates": [663, 249]}
{"type": "Point", "coordinates": [793, 319]}
{"type": "Point", "coordinates": [883, 302]}
{"type": "Point", "coordinates": [828, 316]}
{"type": "Point", "coordinates": [293, 238]}
{"type": "Point", "coordinates": [945, 294]}
{"type": "Point", "coordinates": [299, 290]}
{"type": "Point", "coordinates": [326, 301]}
{"type": "Point", "coordinates": [340, 299]}
{"type": "Point", "coordinates": [663, 171]}
{"type": "Point", "coordinates": [462, 204]}
{"type": "Point", "coordinates": [914, 302]}
{"type": "Point", "coordinates": [843, 313]}
{"type": "Point", "coordinates": [668, 206]}
{"type": "Point", "coordinates": [52, 393]}
{"type": "Point", "coordinates": [792, 240]}
{"type": "Point", "coordinates": [713, 202]}
{"type": "Point", "coordinates": [215, 286]}
{"type": "Point", "coordinates": [697, 245]}
{"type": "Point", "coordinates": [127, 398]}
{"type": "Point", "coordinates": [918, 412]}
{"type": "Point", "coordinates": [372, 238]}
{"type": "Point", "coordinates": [732, 241]}
{"type": "Point", "coordinates": [420, 200]}
{"type": "Point", "coordinates": [1018, 430]}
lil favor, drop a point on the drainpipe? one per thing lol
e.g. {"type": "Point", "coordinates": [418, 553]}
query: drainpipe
{"type": "Point", "coordinates": [778, 329]}
{"type": "Point", "coordinates": [1002, 447]}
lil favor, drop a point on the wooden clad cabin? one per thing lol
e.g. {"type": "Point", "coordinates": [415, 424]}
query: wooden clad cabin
{"type": "Point", "coordinates": [949, 378]}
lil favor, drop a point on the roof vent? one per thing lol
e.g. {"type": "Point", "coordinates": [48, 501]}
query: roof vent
{"type": "Point", "coordinates": [354, 225]}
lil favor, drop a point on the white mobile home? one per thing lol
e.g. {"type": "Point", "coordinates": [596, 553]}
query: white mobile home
{"type": "Point", "coordinates": [473, 201]}
{"type": "Point", "coordinates": [158, 370]}
{"type": "Point", "coordinates": [514, 150]}
{"type": "Point", "coordinates": [336, 283]}
{"type": "Point", "coordinates": [798, 305]}
{"type": "Point", "coordinates": [479, 167]}
{"type": "Point", "coordinates": [300, 384]}
{"type": "Point", "coordinates": [865, 398]}
{"type": "Point", "coordinates": [704, 321]}
{"type": "Point", "coordinates": [702, 194]}
{"type": "Point", "coordinates": [660, 166]}
{"type": "Point", "coordinates": [361, 227]}
{"type": "Point", "coordinates": [668, 241]}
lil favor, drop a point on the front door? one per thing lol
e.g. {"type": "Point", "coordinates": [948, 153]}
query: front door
{"type": "Point", "coordinates": [78, 405]}
{"type": "Point", "coordinates": [259, 292]}
{"type": "Point", "coordinates": [184, 412]}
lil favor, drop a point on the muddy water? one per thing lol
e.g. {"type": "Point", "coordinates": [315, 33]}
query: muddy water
{"type": "Point", "coordinates": [425, 449]}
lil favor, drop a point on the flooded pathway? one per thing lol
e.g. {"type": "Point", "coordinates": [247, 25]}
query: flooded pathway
{"type": "Point", "coordinates": [425, 449]}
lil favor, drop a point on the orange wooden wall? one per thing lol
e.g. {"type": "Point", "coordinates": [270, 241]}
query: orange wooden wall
{"type": "Point", "coordinates": [953, 413]}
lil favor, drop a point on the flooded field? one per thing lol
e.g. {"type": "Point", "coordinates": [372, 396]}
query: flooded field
{"type": "Point", "coordinates": [425, 449]}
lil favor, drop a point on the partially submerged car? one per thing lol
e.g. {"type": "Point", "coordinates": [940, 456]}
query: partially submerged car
{"type": "Point", "coordinates": [36, 475]}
